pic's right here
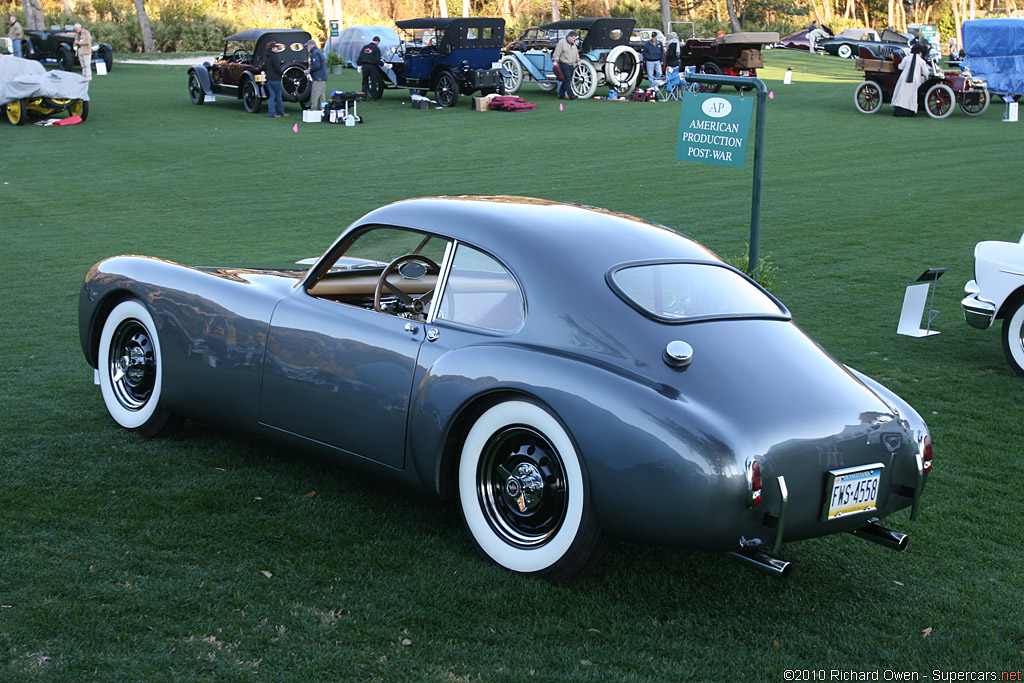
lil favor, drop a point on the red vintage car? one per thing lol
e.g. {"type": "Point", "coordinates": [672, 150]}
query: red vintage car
{"type": "Point", "coordinates": [936, 95]}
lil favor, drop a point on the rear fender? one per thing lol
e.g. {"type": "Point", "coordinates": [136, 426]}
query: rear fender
{"type": "Point", "coordinates": [655, 463]}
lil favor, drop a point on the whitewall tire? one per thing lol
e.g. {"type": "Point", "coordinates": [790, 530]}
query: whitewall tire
{"type": "Point", "coordinates": [524, 493]}
{"type": "Point", "coordinates": [1013, 337]}
{"type": "Point", "coordinates": [131, 371]}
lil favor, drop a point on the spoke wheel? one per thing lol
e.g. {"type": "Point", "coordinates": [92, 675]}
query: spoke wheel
{"type": "Point", "coordinates": [65, 60]}
{"type": "Point", "coordinates": [295, 84]}
{"type": "Point", "coordinates": [515, 81]}
{"type": "Point", "coordinates": [131, 371]}
{"type": "Point", "coordinates": [584, 80]}
{"type": "Point", "coordinates": [622, 65]}
{"type": "Point", "coordinates": [195, 89]}
{"type": "Point", "coordinates": [17, 110]}
{"type": "Point", "coordinates": [79, 108]}
{"type": "Point", "coordinates": [711, 68]}
{"type": "Point", "coordinates": [868, 97]}
{"type": "Point", "coordinates": [974, 102]}
{"type": "Point", "coordinates": [938, 101]}
{"type": "Point", "coordinates": [447, 90]}
{"type": "Point", "coordinates": [251, 98]}
{"type": "Point", "coordinates": [524, 494]}
{"type": "Point", "coordinates": [1013, 336]}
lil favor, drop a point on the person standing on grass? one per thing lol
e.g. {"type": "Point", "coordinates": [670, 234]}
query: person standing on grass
{"type": "Point", "coordinates": [15, 34]}
{"type": "Point", "coordinates": [83, 46]}
{"type": "Point", "coordinates": [914, 71]}
{"type": "Point", "coordinates": [654, 54]}
{"type": "Point", "coordinates": [274, 67]}
{"type": "Point", "coordinates": [567, 56]}
{"type": "Point", "coordinates": [317, 72]}
{"type": "Point", "coordinates": [369, 63]}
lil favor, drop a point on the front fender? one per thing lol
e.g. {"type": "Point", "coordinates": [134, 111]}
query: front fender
{"type": "Point", "coordinates": [660, 471]}
{"type": "Point", "coordinates": [203, 74]}
{"type": "Point", "coordinates": [534, 72]}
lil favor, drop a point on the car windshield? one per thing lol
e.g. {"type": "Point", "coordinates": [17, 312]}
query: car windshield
{"type": "Point", "coordinates": [680, 292]}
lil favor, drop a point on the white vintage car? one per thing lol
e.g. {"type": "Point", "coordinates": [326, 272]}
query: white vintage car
{"type": "Point", "coordinates": [997, 291]}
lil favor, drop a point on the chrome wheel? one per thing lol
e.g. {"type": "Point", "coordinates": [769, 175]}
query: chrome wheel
{"type": "Point", "coordinates": [525, 494]}
{"type": "Point", "coordinates": [131, 371]}
{"type": "Point", "coordinates": [131, 363]}
{"type": "Point", "coordinates": [522, 487]}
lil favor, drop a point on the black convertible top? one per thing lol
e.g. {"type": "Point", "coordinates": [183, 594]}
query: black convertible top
{"type": "Point", "coordinates": [461, 32]}
{"type": "Point", "coordinates": [257, 33]}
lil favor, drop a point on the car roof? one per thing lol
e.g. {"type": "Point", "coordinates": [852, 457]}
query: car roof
{"type": "Point", "coordinates": [257, 33]}
{"type": "Point", "coordinates": [518, 229]}
{"type": "Point", "coordinates": [430, 22]}
{"type": "Point", "coordinates": [599, 30]}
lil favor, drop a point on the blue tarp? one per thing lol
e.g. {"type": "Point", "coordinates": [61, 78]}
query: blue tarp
{"type": "Point", "coordinates": [995, 52]}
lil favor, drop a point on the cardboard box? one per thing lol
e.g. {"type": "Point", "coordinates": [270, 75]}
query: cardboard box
{"type": "Point", "coordinates": [750, 59]}
{"type": "Point", "coordinates": [883, 65]}
{"type": "Point", "coordinates": [481, 103]}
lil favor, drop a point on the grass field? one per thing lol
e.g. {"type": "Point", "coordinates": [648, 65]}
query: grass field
{"type": "Point", "coordinates": [212, 556]}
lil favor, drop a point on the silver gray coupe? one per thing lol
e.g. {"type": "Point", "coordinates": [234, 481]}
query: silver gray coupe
{"type": "Point", "coordinates": [569, 375]}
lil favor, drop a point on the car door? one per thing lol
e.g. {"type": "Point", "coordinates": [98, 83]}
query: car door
{"type": "Point", "coordinates": [340, 375]}
{"type": "Point", "coordinates": [338, 371]}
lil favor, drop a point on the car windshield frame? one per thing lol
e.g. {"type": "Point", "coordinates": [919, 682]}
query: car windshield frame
{"type": "Point", "coordinates": [610, 277]}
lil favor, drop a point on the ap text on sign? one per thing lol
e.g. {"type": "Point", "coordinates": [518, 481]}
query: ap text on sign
{"type": "Point", "coordinates": [713, 129]}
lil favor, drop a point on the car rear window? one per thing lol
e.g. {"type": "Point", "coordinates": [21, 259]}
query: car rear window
{"type": "Point", "coordinates": [680, 292]}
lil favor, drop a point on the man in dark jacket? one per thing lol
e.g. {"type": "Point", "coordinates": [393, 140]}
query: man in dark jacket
{"type": "Point", "coordinates": [274, 68]}
{"type": "Point", "coordinates": [653, 55]}
{"type": "Point", "coordinates": [370, 63]}
{"type": "Point", "coordinates": [318, 74]}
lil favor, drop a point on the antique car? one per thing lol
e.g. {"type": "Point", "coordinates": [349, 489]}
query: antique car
{"type": "Point", "coordinates": [351, 40]}
{"type": "Point", "coordinates": [536, 38]}
{"type": "Point", "coordinates": [28, 90]}
{"type": "Point", "coordinates": [239, 71]}
{"type": "Point", "coordinates": [639, 36]}
{"type": "Point", "coordinates": [849, 41]}
{"type": "Point", "coordinates": [569, 375]}
{"type": "Point", "coordinates": [798, 40]}
{"type": "Point", "coordinates": [452, 57]}
{"type": "Point", "coordinates": [936, 96]}
{"type": "Point", "coordinates": [733, 54]}
{"type": "Point", "coordinates": [606, 58]}
{"type": "Point", "coordinates": [997, 291]}
{"type": "Point", "coordinates": [58, 46]}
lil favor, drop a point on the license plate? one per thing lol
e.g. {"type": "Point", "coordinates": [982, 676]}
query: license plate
{"type": "Point", "coordinates": [852, 490]}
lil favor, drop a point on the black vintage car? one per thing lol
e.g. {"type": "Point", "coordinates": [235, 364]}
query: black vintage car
{"type": "Point", "coordinates": [451, 57]}
{"type": "Point", "coordinates": [58, 45]}
{"type": "Point", "coordinates": [239, 71]}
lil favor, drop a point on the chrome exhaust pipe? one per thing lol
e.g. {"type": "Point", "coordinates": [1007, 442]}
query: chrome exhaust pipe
{"type": "Point", "coordinates": [882, 536]}
{"type": "Point", "coordinates": [764, 562]}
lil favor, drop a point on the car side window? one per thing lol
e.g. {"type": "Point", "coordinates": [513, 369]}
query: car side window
{"type": "Point", "coordinates": [480, 292]}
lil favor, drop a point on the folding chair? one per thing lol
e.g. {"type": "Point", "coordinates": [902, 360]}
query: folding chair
{"type": "Point", "coordinates": [673, 85]}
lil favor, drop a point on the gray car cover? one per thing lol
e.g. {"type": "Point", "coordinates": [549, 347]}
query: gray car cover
{"type": "Point", "coordinates": [24, 78]}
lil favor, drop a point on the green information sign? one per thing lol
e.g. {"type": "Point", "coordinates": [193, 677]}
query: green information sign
{"type": "Point", "coordinates": [713, 129]}
{"type": "Point", "coordinates": [334, 29]}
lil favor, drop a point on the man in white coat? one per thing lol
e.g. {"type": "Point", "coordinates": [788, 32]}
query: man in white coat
{"type": "Point", "coordinates": [914, 70]}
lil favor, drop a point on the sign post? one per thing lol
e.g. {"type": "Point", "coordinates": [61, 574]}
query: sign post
{"type": "Point", "coordinates": [759, 128]}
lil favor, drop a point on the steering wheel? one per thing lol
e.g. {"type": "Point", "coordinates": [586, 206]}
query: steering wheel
{"type": "Point", "coordinates": [241, 56]}
{"type": "Point", "coordinates": [416, 305]}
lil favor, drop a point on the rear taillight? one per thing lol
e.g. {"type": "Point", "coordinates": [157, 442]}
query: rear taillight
{"type": "Point", "coordinates": [927, 459]}
{"type": "Point", "coordinates": [753, 482]}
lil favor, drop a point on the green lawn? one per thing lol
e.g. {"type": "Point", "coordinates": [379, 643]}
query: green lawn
{"type": "Point", "coordinates": [212, 556]}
